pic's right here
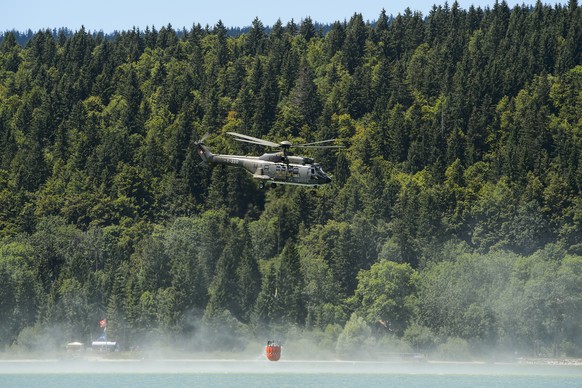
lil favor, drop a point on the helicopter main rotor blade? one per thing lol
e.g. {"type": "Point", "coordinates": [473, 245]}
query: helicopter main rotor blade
{"type": "Point", "coordinates": [316, 146]}
{"type": "Point", "coordinates": [316, 142]}
{"type": "Point", "coordinates": [253, 140]}
{"type": "Point", "coordinates": [319, 144]}
{"type": "Point", "coordinates": [249, 141]}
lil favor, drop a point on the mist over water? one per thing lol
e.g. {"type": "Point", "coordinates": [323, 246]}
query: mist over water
{"type": "Point", "coordinates": [238, 360]}
{"type": "Point", "coordinates": [241, 362]}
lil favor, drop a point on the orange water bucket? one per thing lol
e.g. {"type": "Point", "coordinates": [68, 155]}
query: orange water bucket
{"type": "Point", "coordinates": [273, 352]}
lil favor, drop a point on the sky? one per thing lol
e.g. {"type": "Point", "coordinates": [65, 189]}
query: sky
{"type": "Point", "coordinates": [111, 15]}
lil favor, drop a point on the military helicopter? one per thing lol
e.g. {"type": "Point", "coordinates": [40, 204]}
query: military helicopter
{"type": "Point", "coordinates": [273, 168]}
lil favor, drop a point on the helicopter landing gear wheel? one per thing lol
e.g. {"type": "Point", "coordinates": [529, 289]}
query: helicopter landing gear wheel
{"type": "Point", "coordinates": [261, 185]}
{"type": "Point", "coordinates": [273, 185]}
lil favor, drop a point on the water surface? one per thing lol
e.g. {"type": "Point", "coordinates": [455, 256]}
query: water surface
{"type": "Point", "coordinates": [262, 373]}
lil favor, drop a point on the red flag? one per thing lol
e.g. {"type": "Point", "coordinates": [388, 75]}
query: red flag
{"type": "Point", "coordinates": [103, 323]}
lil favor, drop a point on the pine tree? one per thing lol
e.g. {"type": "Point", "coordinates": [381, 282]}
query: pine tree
{"type": "Point", "coordinates": [354, 44]}
{"type": "Point", "coordinates": [223, 291]}
{"type": "Point", "coordinates": [248, 279]}
{"type": "Point", "coordinates": [307, 29]}
{"type": "Point", "coordinates": [290, 287]}
{"type": "Point", "coordinates": [256, 38]}
{"type": "Point", "coordinates": [10, 53]}
{"type": "Point", "coordinates": [267, 310]}
{"type": "Point", "coordinates": [305, 98]}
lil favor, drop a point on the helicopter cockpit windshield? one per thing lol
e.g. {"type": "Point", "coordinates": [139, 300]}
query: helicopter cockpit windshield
{"type": "Point", "coordinates": [318, 174]}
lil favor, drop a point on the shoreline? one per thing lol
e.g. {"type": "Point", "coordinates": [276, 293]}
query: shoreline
{"type": "Point", "coordinates": [261, 366]}
{"type": "Point", "coordinates": [550, 361]}
{"type": "Point", "coordinates": [112, 358]}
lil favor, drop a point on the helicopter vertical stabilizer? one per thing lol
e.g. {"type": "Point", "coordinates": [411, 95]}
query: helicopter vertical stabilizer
{"type": "Point", "coordinates": [205, 153]}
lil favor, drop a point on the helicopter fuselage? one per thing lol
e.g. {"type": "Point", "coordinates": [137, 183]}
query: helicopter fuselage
{"type": "Point", "coordinates": [272, 167]}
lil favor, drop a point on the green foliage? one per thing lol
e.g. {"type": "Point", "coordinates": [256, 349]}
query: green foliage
{"type": "Point", "coordinates": [290, 287]}
{"type": "Point", "coordinates": [20, 295]}
{"type": "Point", "coordinates": [457, 298]}
{"type": "Point", "coordinates": [355, 339]}
{"type": "Point", "coordinates": [386, 294]}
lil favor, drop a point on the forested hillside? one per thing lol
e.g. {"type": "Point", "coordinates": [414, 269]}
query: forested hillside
{"type": "Point", "coordinates": [453, 223]}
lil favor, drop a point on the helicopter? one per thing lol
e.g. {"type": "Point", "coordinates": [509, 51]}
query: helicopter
{"type": "Point", "coordinates": [273, 168]}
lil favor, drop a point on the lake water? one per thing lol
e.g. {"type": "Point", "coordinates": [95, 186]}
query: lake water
{"type": "Point", "coordinates": [262, 373]}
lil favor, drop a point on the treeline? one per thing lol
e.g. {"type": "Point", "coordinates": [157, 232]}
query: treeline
{"type": "Point", "coordinates": [63, 33]}
{"type": "Point", "coordinates": [453, 222]}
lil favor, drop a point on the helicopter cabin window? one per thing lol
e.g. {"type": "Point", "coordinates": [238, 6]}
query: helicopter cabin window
{"type": "Point", "coordinates": [295, 171]}
{"type": "Point", "coordinates": [312, 174]}
{"type": "Point", "coordinates": [281, 170]}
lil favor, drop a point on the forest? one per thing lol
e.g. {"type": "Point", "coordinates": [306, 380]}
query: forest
{"type": "Point", "coordinates": [452, 227]}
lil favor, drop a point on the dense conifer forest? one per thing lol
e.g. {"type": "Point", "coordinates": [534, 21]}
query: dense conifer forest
{"type": "Point", "coordinates": [453, 225]}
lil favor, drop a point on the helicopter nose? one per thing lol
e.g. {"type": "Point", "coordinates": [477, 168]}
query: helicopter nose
{"type": "Point", "coordinates": [327, 179]}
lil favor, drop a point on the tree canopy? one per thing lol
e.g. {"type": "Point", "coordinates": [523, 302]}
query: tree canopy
{"type": "Point", "coordinates": [455, 212]}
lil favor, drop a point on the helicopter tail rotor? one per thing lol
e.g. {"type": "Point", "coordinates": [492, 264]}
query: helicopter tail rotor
{"type": "Point", "coordinates": [203, 139]}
